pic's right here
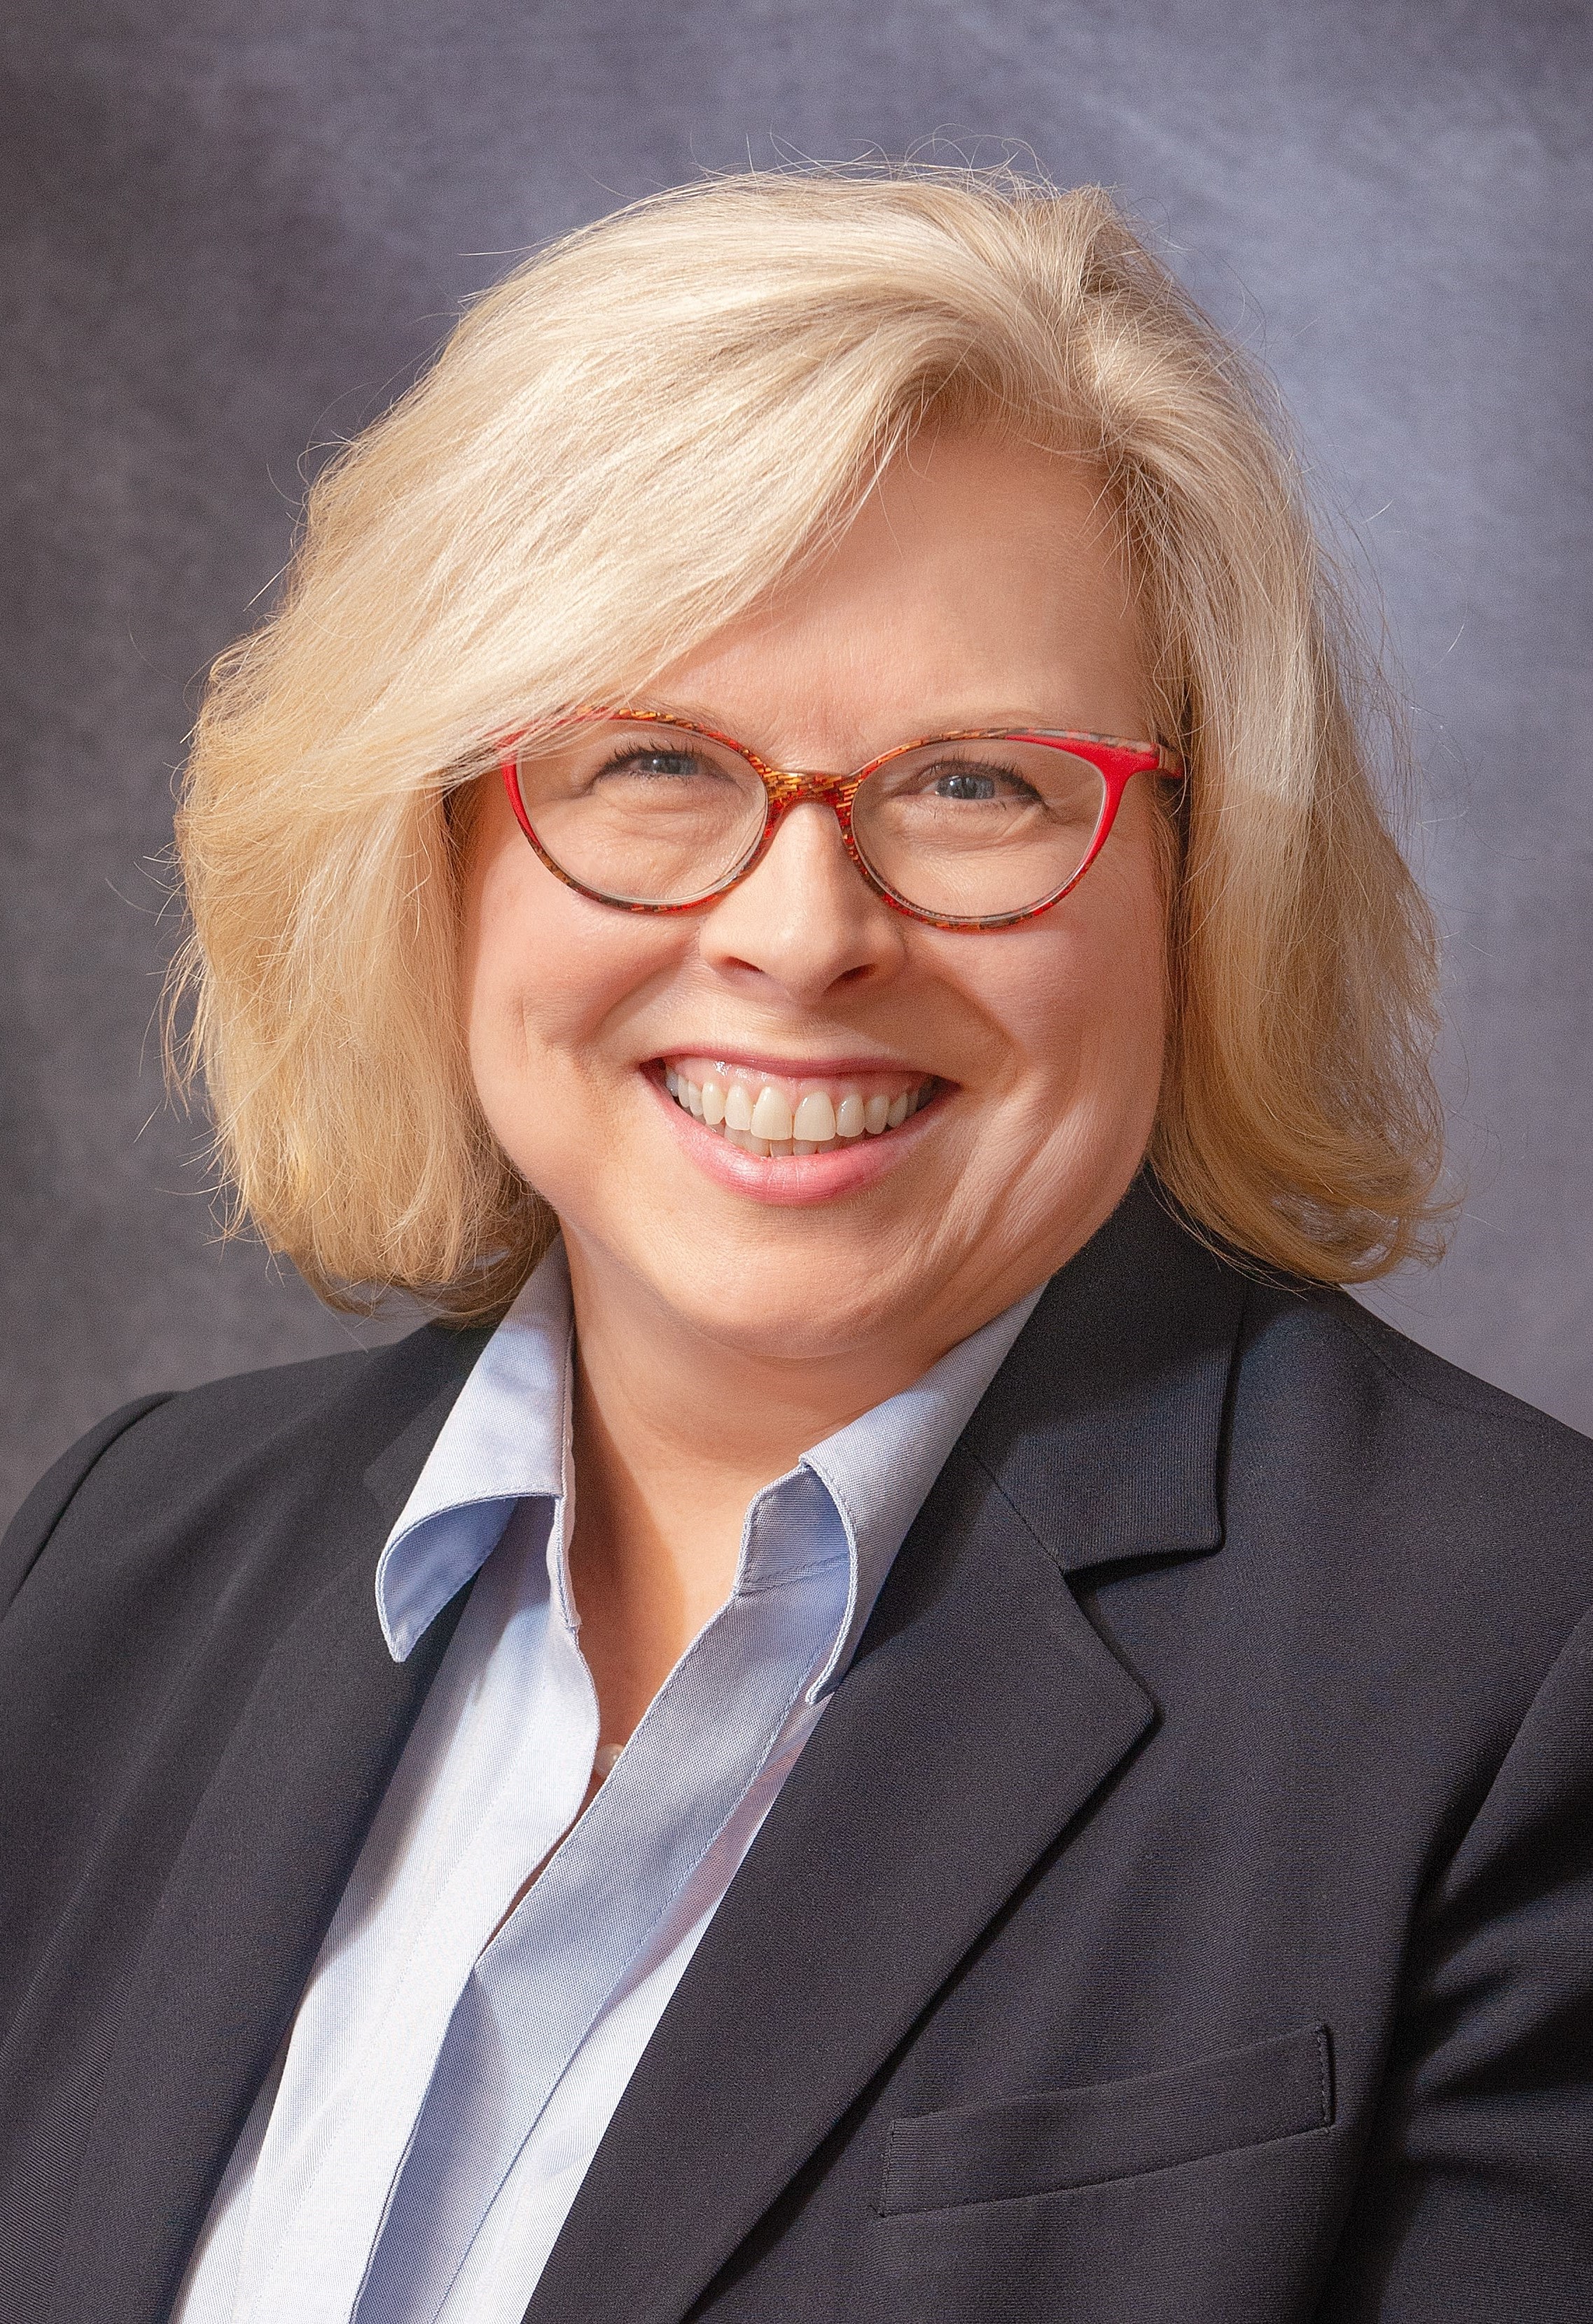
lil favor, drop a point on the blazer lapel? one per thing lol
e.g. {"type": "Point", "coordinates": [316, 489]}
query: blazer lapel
{"type": "Point", "coordinates": [250, 1891]}
{"type": "Point", "coordinates": [981, 1714]}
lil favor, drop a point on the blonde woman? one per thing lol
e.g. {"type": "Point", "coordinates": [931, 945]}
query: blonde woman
{"type": "Point", "coordinates": [901, 1711]}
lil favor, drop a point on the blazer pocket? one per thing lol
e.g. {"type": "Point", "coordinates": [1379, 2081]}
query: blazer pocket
{"type": "Point", "coordinates": [1038, 2146]}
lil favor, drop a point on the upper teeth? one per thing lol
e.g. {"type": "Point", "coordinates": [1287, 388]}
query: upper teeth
{"type": "Point", "coordinates": [769, 1117]}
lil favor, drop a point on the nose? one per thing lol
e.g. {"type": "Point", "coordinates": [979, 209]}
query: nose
{"type": "Point", "coordinates": [806, 919]}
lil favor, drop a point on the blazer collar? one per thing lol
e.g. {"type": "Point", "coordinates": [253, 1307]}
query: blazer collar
{"type": "Point", "coordinates": [981, 1716]}
{"type": "Point", "coordinates": [1105, 1427]}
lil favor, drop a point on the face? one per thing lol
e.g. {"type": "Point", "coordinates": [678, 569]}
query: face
{"type": "Point", "coordinates": [978, 588]}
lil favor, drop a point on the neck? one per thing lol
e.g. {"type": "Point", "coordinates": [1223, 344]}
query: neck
{"type": "Point", "coordinates": [673, 1435]}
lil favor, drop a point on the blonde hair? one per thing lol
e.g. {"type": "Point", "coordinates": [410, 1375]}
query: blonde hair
{"type": "Point", "coordinates": [732, 364]}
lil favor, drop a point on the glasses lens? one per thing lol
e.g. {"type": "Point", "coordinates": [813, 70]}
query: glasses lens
{"type": "Point", "coordinates": [643, 814]}
{"type": "Point", "coordinates": [972, 830]}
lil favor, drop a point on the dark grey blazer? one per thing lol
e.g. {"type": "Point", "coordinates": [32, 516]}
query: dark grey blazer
{"type": "Point", "coordinates": [1184, 1913]}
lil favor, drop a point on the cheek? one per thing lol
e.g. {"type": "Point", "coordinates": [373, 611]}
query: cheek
{"type": "Point", "coordinates": [545, 976]}
{"type": "Point", "coordinates": [1082, 995]}
{"type": "Point", "coordinates": [1124, 973]}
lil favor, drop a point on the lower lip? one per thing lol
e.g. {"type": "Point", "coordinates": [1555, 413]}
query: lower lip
{"type": "Point", "coordinates": [792, 1181]}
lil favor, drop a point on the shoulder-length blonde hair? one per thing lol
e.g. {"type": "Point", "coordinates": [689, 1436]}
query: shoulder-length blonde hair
{"type": "Point", "coordinates": [618, 448]}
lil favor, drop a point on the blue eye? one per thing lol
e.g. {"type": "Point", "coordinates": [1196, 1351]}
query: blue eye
{"type": "Point", "coordinates": [668, 763]}
{"type": "Point", "coordinates": [977, 783]}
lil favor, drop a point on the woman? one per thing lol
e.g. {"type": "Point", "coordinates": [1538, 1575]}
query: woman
{"type": "Point", "coordinates": [903, 1711]}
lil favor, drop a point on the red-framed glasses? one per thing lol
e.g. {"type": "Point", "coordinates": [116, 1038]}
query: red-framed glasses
{"type": "Point", "coordinates": [977, 829]}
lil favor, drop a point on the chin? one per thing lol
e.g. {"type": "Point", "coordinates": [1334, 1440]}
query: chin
{"type": "Point", "coordinates": [786, 1305]}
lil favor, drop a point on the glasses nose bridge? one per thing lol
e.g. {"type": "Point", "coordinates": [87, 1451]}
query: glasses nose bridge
{"type": "Point", "coordinates": [790, 786]}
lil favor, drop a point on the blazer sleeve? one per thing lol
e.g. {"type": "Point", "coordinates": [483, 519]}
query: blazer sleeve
{"type": "Point", "coordinates": [1475, 2201]}
{"type": "Point", "coordinates": [42, 1512]}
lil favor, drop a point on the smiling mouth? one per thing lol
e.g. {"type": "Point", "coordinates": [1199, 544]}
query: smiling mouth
{"type": "Point", "coordinates": [780, 1114]}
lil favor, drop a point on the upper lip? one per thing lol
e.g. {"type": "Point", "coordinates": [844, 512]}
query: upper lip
{"type": "Point", "coordinates": [797, 1068]}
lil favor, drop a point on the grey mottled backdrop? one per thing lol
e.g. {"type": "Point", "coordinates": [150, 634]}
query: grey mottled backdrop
{"type": "Point", "coordinates": [229, 229]}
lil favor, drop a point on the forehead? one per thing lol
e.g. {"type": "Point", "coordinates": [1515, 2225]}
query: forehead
{"type": "Point", "coordinates": [981, 584]}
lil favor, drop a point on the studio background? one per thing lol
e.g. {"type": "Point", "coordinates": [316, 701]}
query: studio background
{"type": "Point", "coordinates": [231, 231]}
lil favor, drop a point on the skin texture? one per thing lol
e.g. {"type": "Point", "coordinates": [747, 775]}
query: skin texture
{"type": "Point", "coordinates": [720, 1335]}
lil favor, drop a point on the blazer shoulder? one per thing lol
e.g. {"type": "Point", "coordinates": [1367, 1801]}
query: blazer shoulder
{"type": "Point", "coordinates": [174, 1443]}
{"type": "Point", "coordinates": [1441, 1452]}
{"type": "Point", "coordinates": [41, 1512]}
{"type": "Point", "coordinates": [1414, 1373]}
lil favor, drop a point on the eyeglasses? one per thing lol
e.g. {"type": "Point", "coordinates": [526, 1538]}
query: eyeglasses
{"type": "Point", "coordinates": [972, 830]}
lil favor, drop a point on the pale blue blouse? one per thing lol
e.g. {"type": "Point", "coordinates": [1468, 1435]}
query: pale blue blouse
{"type": "Point", "coordinates": [450, 2073]}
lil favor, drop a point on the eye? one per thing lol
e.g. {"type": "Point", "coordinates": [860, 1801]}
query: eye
{"type": "Point", "coordinates": [964, 783]}
{"type": "Point", "coordinates": [656, 762]}
{"type": "Point", "coordinates": [975, 783]}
